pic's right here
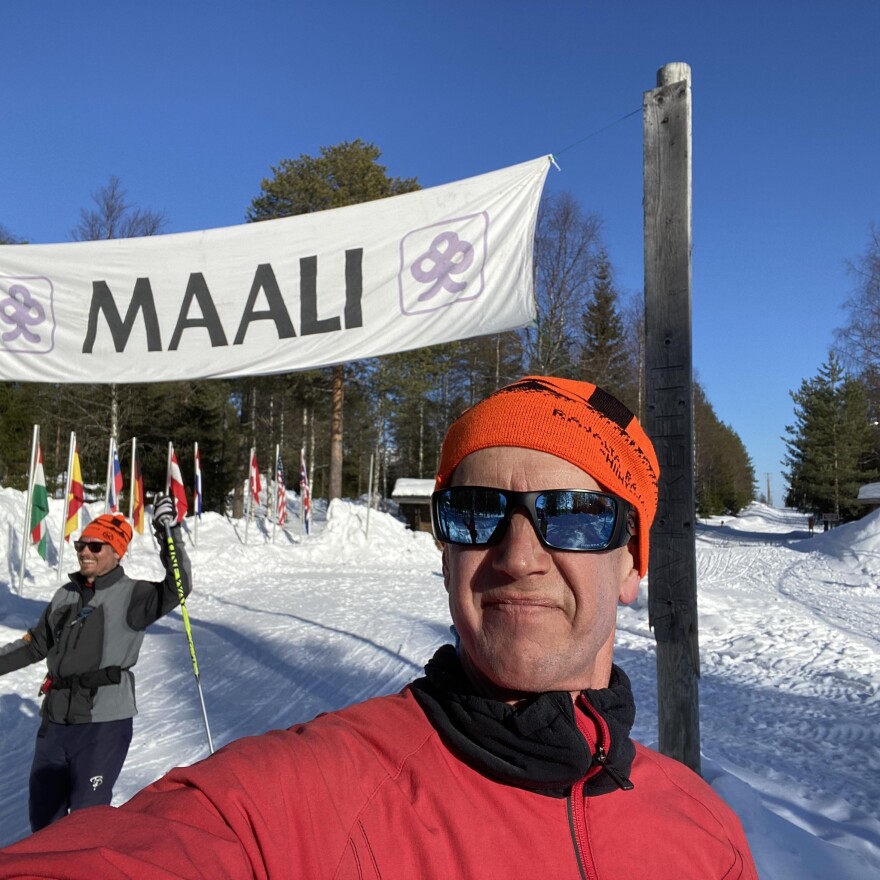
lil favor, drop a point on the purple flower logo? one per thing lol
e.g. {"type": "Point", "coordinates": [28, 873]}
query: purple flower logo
{"type": "Point", "coordinates": [27, 321]}
{"type": "Point", "coordinates": [442, 264]}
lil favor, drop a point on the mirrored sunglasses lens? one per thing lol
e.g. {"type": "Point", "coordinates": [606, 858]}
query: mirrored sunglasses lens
{"type": "Point", "coordinates": [572, 520]}
{"type": "Point", "coordinates": [469, 516]}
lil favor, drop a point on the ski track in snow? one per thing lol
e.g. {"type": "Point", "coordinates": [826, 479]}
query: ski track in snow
{"type": "Point", "coordinates": [789, 643]}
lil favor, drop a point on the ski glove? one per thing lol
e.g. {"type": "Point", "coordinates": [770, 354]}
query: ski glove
{"type": "Point", "coordinates": [164, 513]}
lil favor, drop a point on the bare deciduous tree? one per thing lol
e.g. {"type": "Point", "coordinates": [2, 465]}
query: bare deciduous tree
{"type": "Point", "coordinates": [114, 217]}
{"type": "Point", "coordinates": [6, 237]}
{"type": "Point", "coordinates": [567, 244]}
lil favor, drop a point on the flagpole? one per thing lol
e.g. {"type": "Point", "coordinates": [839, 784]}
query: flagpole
{"type": "Point", "coordinates": [109, 475]}
{"type": "Point", "coordinates": [302, 496]}
{"type": "Point", "coordinates": [134, 443]}
{"type": "Point", "coordinates": [26, 534]}
{"type": "Point", "coordinates": [369, 498]}
{"type": "Point", "coordinates": [250, 497]}
{"type": "Point", "coordinates": [168, 469]}
{"type": "Point", "coordinates": [68, 481]}
{"type": "Point", "coordinates": [275, 518]}
{"type": "Point", "coordinates": [197, 500]}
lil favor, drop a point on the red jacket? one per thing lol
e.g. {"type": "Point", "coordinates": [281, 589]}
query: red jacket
{"type": "Point", "coordinates": [372, 791]}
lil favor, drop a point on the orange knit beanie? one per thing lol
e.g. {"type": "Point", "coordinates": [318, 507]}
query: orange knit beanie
{"type": "Point", "coordinates": [112, 529]}
{"type": "Point", "coordinates": [577, 421]}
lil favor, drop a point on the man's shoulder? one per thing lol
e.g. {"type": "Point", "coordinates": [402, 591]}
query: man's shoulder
{"type": "Point", "coordinates": [386, 724]}
{"type": "Point", "coordinates": [661, 769]}
{"type": "Point", "coordinates": [390, 726]}
{"type": "Point", "coordinates": [369, 742]}
{"type": "Point", "coordinates": [656, 773]}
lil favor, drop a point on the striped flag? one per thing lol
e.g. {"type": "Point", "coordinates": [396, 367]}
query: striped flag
{"type": "Point", "coordinates": [114, 490]}
{"type": "Point", "coordinates": [177, 488]}
{"type": "Point", "coordinates": [75, 498]}
{"type": "Point", "coordinates": [197, 491]}
{"type": "Point", "coordinates": [305, 492]}
{"type": "Point", "coordinates": [137, 514]}
{"type": "Point", "coordinates": [39, 505]}
{"type": "Point", "coordinates": [281, 499]}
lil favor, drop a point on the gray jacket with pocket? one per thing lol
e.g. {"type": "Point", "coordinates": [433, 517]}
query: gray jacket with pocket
{"type": "Point", "coordinates": [90, 639]}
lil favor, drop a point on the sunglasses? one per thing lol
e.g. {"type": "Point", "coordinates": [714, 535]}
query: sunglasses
{"type": "Point", "coordinates": [94, 546]}
{"type": "Point", "coordinates": [564, 519]}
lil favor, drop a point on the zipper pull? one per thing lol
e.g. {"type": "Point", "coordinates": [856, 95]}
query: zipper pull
{"type": "Point", "coordinates": [619, 779]}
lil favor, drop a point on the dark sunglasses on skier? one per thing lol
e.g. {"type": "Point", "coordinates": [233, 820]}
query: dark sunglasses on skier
{"type": "Point", "coordinates": [564, 519]}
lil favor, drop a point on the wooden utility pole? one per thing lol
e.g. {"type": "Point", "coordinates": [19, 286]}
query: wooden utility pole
{"type": "Point", "coordinates": [672, 570]}
{"type": "Point", "coordinates": [337, 396]}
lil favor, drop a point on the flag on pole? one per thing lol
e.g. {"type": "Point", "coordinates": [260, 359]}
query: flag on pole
{"type": "Point", "coordinates": [114, 490]}
{"type": "Point", "coordinates": [176, 487]}
{"type": "Point", "coordinates": [137, 515]}
{"type": "Point", "coordinates": [39, 506]}
{"type": "Point", "coordinates": [305, 492]}
{"type": "Point", "coordinates": [281, 496]}
{"type": "Point", "coordinates": [197, 490]}
{"type": "Point", "coordinates": [117, 474]}
{"type": "Point", "coordinates": [255, 484]}
{"type": "Point", "coordinates": [75, 497]}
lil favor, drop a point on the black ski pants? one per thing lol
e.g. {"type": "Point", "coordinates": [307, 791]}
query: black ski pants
{"type": "Point", "coordinates": [75, 766]}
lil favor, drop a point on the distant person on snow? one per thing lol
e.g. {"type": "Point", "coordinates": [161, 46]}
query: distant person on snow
{"type": "Point", "coordinates": [511, 757]}
{"type": "Point", "coordinates": [90, 635]}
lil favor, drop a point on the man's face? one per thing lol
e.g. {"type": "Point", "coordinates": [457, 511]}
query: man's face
{"type": "Point", "coordinates": [532, 619]}
{"type": "Point", "coordinates": [94, 563]}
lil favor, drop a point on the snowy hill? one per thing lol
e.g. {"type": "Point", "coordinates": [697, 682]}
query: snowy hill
{"type": "Point", "coordinates": [789, 636]}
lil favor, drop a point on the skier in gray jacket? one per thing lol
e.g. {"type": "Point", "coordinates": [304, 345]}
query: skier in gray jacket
{"type": "Point", "coordinates": [90, 635]}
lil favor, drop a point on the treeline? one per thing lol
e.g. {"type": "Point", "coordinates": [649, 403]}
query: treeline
{"type": "Point", "coordinates": [392, 411]}
{"type": "Point", "coordinates": [833, 447]}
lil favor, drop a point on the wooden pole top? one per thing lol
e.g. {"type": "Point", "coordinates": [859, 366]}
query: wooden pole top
{"type": "Point", "coordinates": [675, 71]}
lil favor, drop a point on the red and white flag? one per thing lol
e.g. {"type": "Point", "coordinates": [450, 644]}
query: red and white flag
{"type": "Point", "coordinates": [176, 487]}
{"type": "Point", "coordinates": [255, 484]}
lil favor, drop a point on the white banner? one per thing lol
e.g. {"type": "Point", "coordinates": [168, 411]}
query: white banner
{"type": "Point", "coordinates": [445, 263]}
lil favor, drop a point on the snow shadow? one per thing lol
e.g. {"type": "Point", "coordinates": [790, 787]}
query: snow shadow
{"type": "Point", "coordinates": [21, 611]}
{"type": "Point", "coordinates": [255, 680]}
{"type": "Point", "coordinates": [784, 729]}
{"type": "Point", "coordinates": [724, 535]}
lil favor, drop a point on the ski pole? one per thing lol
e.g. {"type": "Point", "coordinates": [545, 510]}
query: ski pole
{"type": "Point", "coordinates": [178, 581]}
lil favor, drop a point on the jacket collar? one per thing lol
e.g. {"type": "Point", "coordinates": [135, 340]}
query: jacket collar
{"type": "Point", "coordinates": [102, 581]}
{"type": "Point", "coordinates": [544, 744]}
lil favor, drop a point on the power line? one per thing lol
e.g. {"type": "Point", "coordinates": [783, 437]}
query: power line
{"type": "Point", "coordinates": [597, 131]}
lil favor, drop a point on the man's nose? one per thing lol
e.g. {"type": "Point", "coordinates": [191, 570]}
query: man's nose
{"type": "Point", "coordinates": [520, 551]}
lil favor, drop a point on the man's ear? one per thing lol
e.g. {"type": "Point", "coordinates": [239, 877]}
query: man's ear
{"type": "Point", "coordinates": [630, 580]}
{"type": "Point", "coordinates": [445, 563]}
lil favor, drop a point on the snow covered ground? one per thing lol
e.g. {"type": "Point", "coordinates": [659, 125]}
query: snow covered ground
{"type": "Point", "coordinates": [789, 635]}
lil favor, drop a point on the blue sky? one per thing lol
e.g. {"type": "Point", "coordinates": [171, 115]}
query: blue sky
{"type": "Point", "coordinates": [191, 104]}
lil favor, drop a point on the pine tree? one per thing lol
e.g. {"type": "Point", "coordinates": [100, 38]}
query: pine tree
{"type": "Point", "coordinates": [724, 474]}
{"type": "Point", "coordinates": [606, 353]}
{"type": "Point", "coordinates": [830, 448]}
{"type": "Point", "coordinates": [345, 174]}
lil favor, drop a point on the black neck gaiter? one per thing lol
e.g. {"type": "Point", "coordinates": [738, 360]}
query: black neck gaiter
{"type": "Point", "coordinates": [535, 745]}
